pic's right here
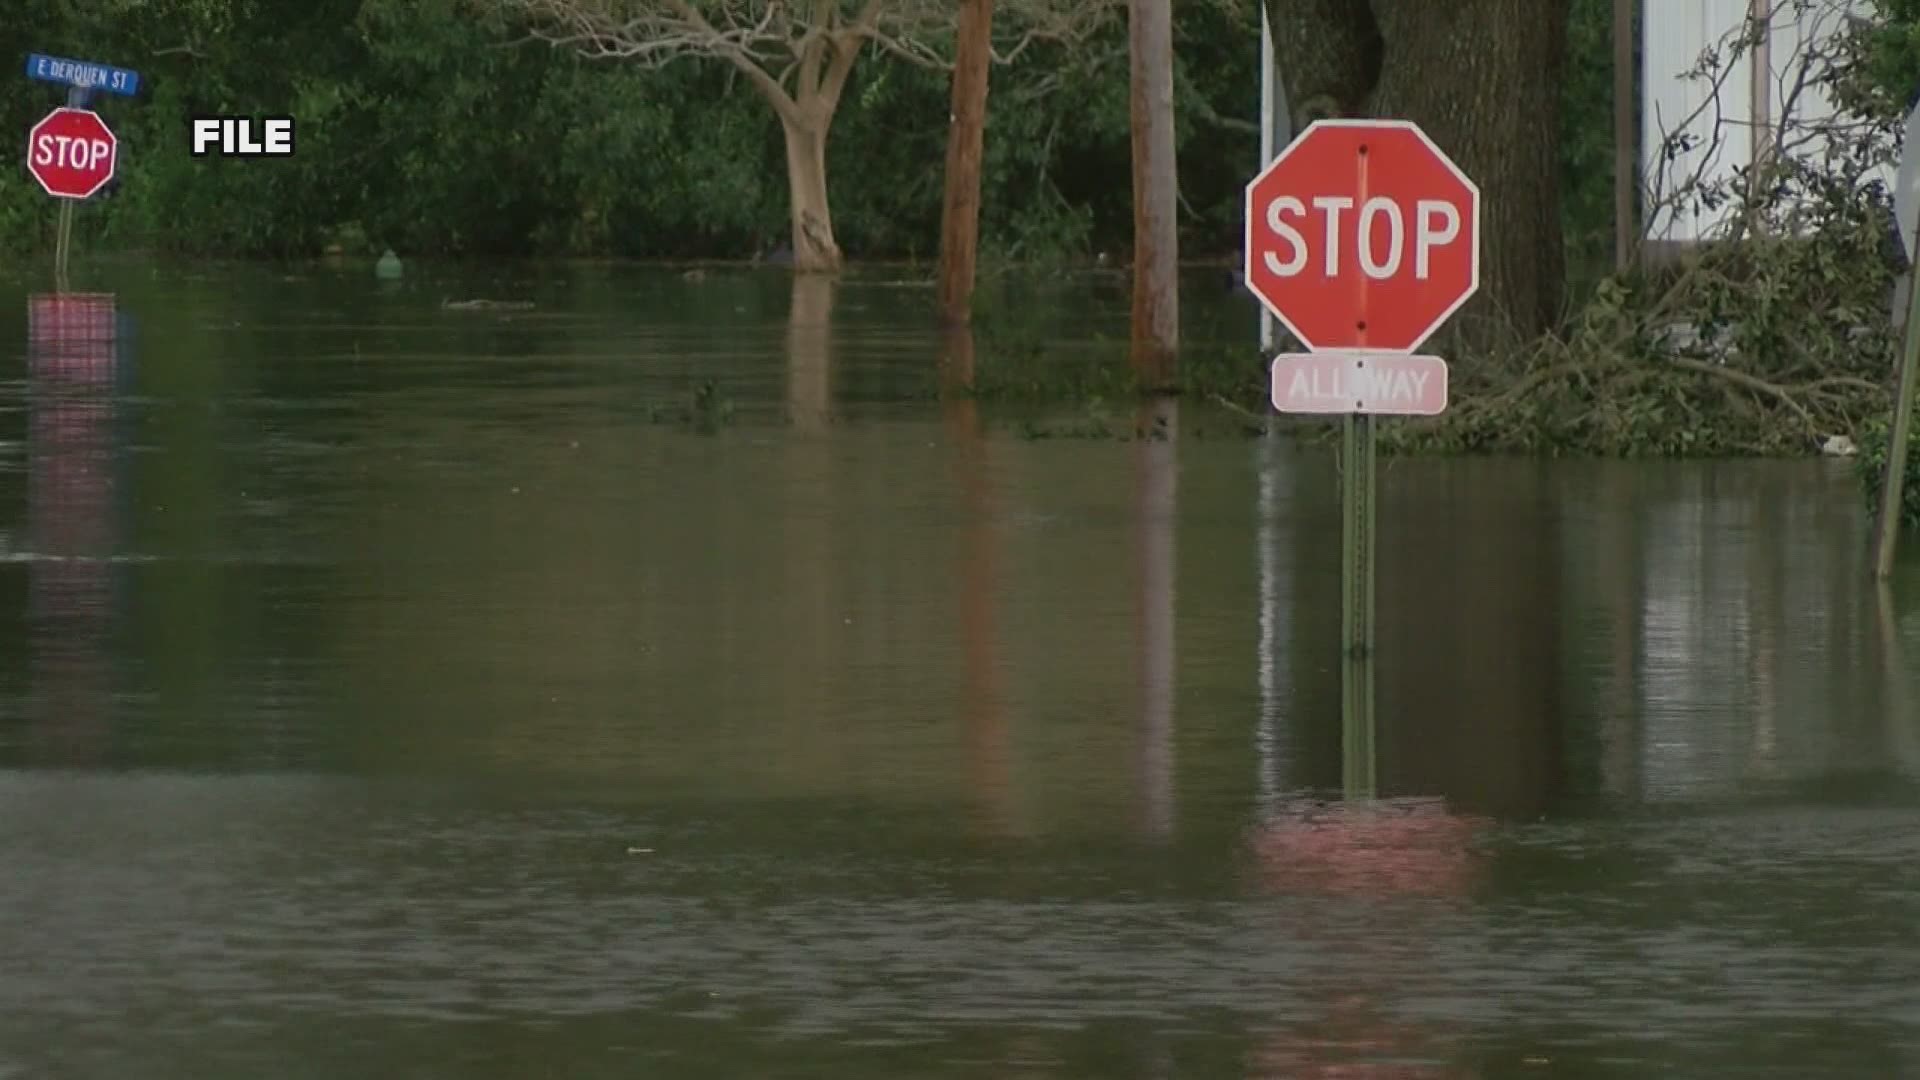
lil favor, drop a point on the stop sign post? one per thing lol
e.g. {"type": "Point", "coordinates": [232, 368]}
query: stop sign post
{"type": "Point", "coordinates": [72, 152]}
{"type": "Point", "coordinates": [1362, 238]}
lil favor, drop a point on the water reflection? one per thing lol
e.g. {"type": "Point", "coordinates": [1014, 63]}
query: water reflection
{"type": "Point", "coordinates": [1275, 471]}
{"type": "Point", "coordinates": [1357, 1039]}
{"type": "Point", "coordinates": [74, 357]}
{"type": "Point", "coordinates": [1607, 545]}
{"type": "Point", "coordinates": [1156, 472]}
{"type": "Point", "coordinates": [1469, 674]}
{"type": "Point", "coordinates": [1393, 854]}
{"type": "Point", "coordinates": [1368, 848]}
{"type": "Point", "coordinates": [657, 748]}
{"type": "Point", "coordinates": [1728, 642]}
{"type": "Point", "coordinates": [982, 695]}
{"type": "Point", "coordinates": [810, 352]}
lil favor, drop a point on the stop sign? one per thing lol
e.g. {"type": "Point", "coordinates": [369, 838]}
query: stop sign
{"type": "Point", "coordinates": [71, 152]}
{"type": "Point", "coordinates": [1362, 234]}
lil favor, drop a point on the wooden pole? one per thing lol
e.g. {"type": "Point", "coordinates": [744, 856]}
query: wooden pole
{"type": "Point", "coordinates": [1760, 83]}
{"type": "Point", "coordinates": [1156, 247]}
{"type": "Point", "coordinates": [1626, 150]}
{"type": "Point", "coordinates": [966, 141]}
{"type": "Point", "coordinates": [1276, 131]}
{"type": "Point", "coordinates": [1759, 109]}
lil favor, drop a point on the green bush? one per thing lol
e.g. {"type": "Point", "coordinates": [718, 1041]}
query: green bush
{"type": "Point", "coordinates": [1870, 467]}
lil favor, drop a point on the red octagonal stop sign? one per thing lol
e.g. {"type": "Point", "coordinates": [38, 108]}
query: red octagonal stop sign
{"type": "Point", "coordinates": [1362, 234]}
{"type": "Point", "coordinates": [71, 152]}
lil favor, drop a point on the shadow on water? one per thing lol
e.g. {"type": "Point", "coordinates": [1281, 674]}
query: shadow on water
{"type": "Point", "coordinates": [448, 699]}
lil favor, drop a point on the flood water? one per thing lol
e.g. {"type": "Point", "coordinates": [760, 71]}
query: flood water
{"type": "Point", "coordinates": [395, 691]}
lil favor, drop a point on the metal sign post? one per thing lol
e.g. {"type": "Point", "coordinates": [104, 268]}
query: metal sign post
{"type": "Point", "coordinates": [1323, 275]}
{"type": "Point", "coordinates": [1906, 214]}
{"type": "Point", "coordinates": [63, 244]}
{"type": "Point", "coordinates": [52, 164]}
{"type": "Point", "coordinates": [1893, 482]}
{"type": "Point", "coordinates": [1357, 492]}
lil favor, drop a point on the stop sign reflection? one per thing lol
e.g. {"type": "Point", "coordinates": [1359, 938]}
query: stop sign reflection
{"type": "Point", "coordinates": [1410, 847]}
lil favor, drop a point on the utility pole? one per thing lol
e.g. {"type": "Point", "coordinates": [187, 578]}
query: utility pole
{"type": "Point", "coordinates": [1276, 131]}
{"type": "Point", "coordinates": [1156, 245]}
{"type": "Point", "coordinates": [966, 141]}
{"type": "Point", "coordinates": [1626, 143]}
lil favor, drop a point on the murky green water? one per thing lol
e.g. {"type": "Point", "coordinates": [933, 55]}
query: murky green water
{"type": "Point", "coordinates": [393, 691]}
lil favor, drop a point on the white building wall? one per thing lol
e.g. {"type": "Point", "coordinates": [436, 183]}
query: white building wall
{"type": "Point", "coordinates": [1674, 36]}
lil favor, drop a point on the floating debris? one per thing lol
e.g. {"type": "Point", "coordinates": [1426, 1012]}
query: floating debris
{"type": "Point", "coordinates": [487, 305]}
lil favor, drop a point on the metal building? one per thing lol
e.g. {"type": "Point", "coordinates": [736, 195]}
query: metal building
{"type": "Point", "coordinates": [1730, 117]}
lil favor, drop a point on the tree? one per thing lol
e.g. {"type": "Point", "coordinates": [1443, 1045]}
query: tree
{"type": "Point", "coordinates": [966, 135]}
{"type": "Point", "coordinates": [797, 54]}
{"type": "Point", "coordinates": [1880, 61]}
{"type": "Point", "coordinates": [1482, 77]}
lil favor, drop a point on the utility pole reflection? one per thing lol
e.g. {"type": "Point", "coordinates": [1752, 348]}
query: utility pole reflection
{"type": "Point", "coordinates": [810, 352]}
{"type": "Point", "coordinates": [1276, 580]}
{"type": "Point", "coordinates": [983, 710]}
{"type": "Point", "coordinates": [1156, 465]}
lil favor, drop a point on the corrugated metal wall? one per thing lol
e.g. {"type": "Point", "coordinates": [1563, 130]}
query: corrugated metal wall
{"type": "Point", "coordinates": [1674, 35]}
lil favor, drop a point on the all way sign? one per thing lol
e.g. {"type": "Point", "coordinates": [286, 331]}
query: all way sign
{"type": "Point", "coordinates": [1388, 383]}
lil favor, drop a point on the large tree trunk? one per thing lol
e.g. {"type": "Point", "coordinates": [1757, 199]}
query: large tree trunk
{"type": "Point", "coordinates": [814, 249]}
{"type": "Point", "coordinates": [966, 138]}
{"type": "Point", "coordinates": [1156, 247]}
{"type": "Point", "coordinates": [1482, 77]}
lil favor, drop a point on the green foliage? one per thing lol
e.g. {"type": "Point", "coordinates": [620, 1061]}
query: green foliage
{"type": "Point", "coordinates": [1870, 467]}
{"type": "Point", "coordinates": [425, 129]}
{"type": "Point", "coordinates": [422, 127]}
{"type": "Point", "coordinates": [1767, 345]}
{"type": "Point", "coordinates": [1586, 139]}
{"type": "Point", "coordinates": [1882, 76]}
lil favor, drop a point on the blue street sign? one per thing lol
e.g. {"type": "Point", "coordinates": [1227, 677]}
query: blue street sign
{"type": "Point", "coordinates": [80, 73]}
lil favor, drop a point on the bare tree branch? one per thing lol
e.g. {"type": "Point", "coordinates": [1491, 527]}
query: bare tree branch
{"type": "Point", "coordinates": [796, 37]}
{"type": "Point", "coordinates": [799, 55]}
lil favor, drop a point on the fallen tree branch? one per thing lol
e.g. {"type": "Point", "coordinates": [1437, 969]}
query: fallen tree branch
{"type": "Point", "coordinates": [1248, 413]}
{"type": "Point", "coordinates": [1752, 382]}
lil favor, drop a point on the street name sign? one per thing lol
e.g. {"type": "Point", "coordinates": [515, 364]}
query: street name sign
{"type": "Point", "coordinates": [83, 74]}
